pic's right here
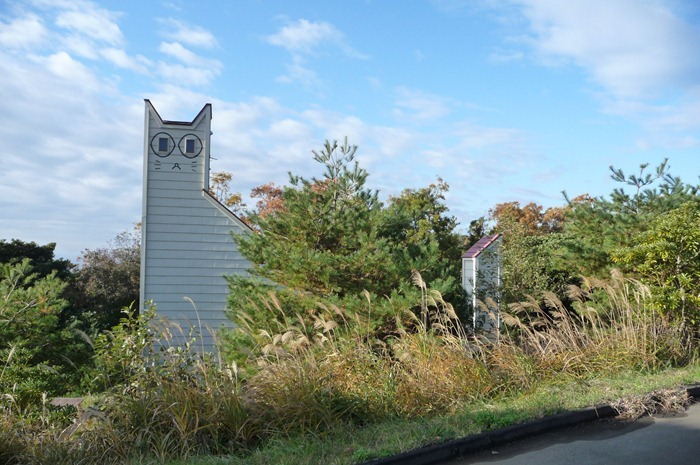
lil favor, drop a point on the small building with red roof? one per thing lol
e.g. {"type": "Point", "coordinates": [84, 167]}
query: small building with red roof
{"type": "Point", "coordinates": [481, 279]}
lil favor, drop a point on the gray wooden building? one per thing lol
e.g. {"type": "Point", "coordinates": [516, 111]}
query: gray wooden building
{"type": "Point", "coordinates": [187, 248]}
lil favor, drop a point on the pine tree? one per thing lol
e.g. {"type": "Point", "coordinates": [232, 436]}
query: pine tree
{"type": "Point", "coordinates": [330, 240]}
{"type": "Point", "coordinates": [594, 227]}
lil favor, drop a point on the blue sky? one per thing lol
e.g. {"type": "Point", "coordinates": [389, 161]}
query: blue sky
{"type": "Point", "coordinates": [505, 100]}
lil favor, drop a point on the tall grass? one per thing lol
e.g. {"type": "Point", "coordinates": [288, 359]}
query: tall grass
{"type": "Point", "coordinates": [611, 328]}
{"type": "Point", "coordinates": [160, 401]}
{"type": "Point", "coordinates": [331, 369]}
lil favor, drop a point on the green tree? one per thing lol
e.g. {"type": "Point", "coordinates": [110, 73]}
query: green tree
{"type": "Point", "coordinates": [418, 224]}
{"type": "Point", "coordinates": [41, 257]}
{"type": "Point", "coordinates": [531, 239]}
{"type": "Point", "coordinates": [477, 230]}
{"type": "Point", "coordinates": [107, 280]}
{"type": "Point", "coordinates": [325, 240]}
{"type": "Point", "coordinates": [329, 239]}
{"type": "Point", "coordinates": [39, 353]}
{"type": "Point", "coordinates": [667, 256]}
{"type": "Point", "coordinates": [594, 227]}
{"type": "Point", "coordinates": [332, 236]}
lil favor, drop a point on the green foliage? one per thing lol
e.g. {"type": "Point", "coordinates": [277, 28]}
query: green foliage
{"type": "Point", "coordinates": [36, 350]}
{"type": "Point", "coordinates": [325, 239]}
{"type": "Point", "coordinates": [417, 222]}
{"type": "Point", "coordinates": [530, 251]}
{"type": "Point", "coordinates": [332, 239]}
{"type": "Point", "coordinates": [548, 251]}
{"type": "Point", "coordinates": [51, 307]}
{"type": "Point", "coordinates": [164, 402]}
{"type": "Point", "coordinates": [264, 311]}
{"type": "Point", "coordinates": [614, 327]}
{"type": "Point", "coordinates": [311, 379]}
{"type": "Point", "coordinates": [596, 227]}
{"type": "Point", "coordinates": [667, 255]}
{"type": "Point", "coordinates": [106, 282]}
{"type": "Point", "coordinates": [477, 230]}
{"type": "Point", "coordinates": [41, 257]}
{"type": "Point", "coordinates": [163, 399]}
{"type": "Point", "coordinates": [531, 266]}
{"type": "Point", "coordinates": [158, 401]}
{"type": "Point", "coordinates": [120, 352]}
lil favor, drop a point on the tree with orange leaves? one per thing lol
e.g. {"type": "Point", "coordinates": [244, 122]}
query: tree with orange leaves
{"type": "Point", "coordinates": [270, 199]}
{"type": "Point", "coordinates": [531, 218]}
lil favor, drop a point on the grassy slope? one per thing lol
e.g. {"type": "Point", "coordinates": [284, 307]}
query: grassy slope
{"type": "Point", "coordinates": [384, 439]}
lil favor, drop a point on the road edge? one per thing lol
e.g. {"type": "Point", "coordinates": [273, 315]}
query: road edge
{"type": "Point", "coordinates": [453, 449]}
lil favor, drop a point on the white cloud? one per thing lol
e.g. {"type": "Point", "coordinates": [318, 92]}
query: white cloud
{"type": "Point", "coordinates": [91, 21]}
{"type": "Point", "coordinates": [83, 30]}
{"type": "Point", "coordinates": [288, 129]}
{"type": "Point", "coordinates": [81, 46]}
{"type": "Point", "coordinates": [394, 142]}
{"type": "Point", "coordinates": [64, 66]}
{"type": "Point", "coordinates": [176, 50]}
{"type": "Point", "coordinates": [177, 102]}
{"type": "Point", "coordinates": [188, 34]}
{"type": "Point", "coordinates": [297, 71]}
{"type": "Point", "coordinates": [118, 57]}
{"type": "Point", "coordinates": [304, 39]}
{"type": "Point", "coordinates": [25, 32]}
{"type": "Point", "coordinates": [506, 56]}
{"type": "Point", "coordinates": [305, 36]}
{"type": "Point", "coordinates": [632, 48]}
{"type": "Point", "coordinates": [62, 145]}
{"type": "Point", "coordinates": [259, 141]}
{"type": "Point", "coordinates": [418, 105]}
{"type": "Point", "coordinates": [187, 75]}
{"type": "Point", "coordinates": [335, 126]}
{"type": "Point", "coordinates": [195, 70]}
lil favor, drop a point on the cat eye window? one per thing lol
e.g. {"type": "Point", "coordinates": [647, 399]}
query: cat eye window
{"type": "Point", "coordinates": [162, 144]}
{"type": "Point", "coordinates": [190, 145]}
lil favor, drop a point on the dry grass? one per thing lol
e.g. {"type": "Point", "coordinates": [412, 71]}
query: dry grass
{"type": "Point", "coordinates": [662, 401]}
{"type": "Point", "coordinates": [322, 370]}
{"type": "Point", "coordinates": [612, 328]}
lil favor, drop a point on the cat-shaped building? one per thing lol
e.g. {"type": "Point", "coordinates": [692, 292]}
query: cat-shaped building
{"type": "Point", "coordinates": [186, 248]}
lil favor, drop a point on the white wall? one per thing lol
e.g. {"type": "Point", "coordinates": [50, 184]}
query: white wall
{"type": "Point", "coordinates": [481, 279]}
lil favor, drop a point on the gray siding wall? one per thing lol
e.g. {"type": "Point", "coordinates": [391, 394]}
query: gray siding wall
{"type": "Point", "coordinates": [187, 247]}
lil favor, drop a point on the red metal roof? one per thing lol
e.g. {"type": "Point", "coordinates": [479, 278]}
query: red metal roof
{"type": "Point", "coordinates": [480, 246]}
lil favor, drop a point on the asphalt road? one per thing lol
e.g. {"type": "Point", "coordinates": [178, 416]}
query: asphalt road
{"type": "Point", "coordinates": [668, 440]}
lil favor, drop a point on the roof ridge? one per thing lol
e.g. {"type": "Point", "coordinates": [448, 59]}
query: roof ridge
{"type": "Point", "coordinates": [481, 245]}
